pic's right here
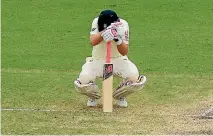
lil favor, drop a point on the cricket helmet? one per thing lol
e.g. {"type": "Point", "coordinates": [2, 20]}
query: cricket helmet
{"type": "Point", "coordinates": [105, 18]}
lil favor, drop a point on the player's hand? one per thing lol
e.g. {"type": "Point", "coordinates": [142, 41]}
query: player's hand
{"type": "Point", "coordinates": [115, 25]}
{"type": "Point", "coordinates": [109, 34]}
{"type": "Point", "coordinates": [118, 40]}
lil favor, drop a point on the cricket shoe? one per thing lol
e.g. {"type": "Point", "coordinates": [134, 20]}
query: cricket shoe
{"type": "Point", "coordinates": [92, 102]}
{"type": "Point", "coordinates": [122, 102]}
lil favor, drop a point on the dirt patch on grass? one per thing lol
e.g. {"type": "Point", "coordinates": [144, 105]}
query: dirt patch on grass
{"type": "Point", "coordinates": [203, 108]}
{"type": "Point", "coordinates": [197, 119]}
{"type": "Point", "coordinates": [189, 125]}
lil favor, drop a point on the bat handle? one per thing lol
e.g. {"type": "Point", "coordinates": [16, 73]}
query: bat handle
{"type": "Point", "coordinates": [108, 55]}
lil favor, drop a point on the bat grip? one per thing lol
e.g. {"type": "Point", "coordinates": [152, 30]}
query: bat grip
{"type": "Point", "coordinates": [108, 55]}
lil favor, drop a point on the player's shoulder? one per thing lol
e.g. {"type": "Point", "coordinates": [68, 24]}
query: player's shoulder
{"type": "Point", "coordinates": [123, 21]}
{"type": "Point", "coordinates": [95, 20]}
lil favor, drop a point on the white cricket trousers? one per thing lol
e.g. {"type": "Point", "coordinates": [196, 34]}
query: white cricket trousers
{"type": "Point", "coordinates": [122, 67]}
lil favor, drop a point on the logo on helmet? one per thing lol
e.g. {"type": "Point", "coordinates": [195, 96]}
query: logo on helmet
{"type": "Point", "coordinates": [105, 26]}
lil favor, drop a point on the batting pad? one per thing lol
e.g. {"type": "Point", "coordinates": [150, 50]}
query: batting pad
{"type": "Point", "coordinates": [91, 89]}
{"type": "Point", "coordinates": [126, 88]}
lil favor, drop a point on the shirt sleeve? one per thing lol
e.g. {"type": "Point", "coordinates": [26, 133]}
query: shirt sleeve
{"type": "Point", "coordinates": [94, 27]}
{"type": "Point", "coordinates": [125, 33]}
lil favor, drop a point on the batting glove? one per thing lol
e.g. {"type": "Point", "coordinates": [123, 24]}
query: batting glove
{"type": "Point", "coordinates": [118, 40]}
{"type": "Point", "coordinates": [115, 25]}
{"type": "Point", "coordinates": [109, 35]}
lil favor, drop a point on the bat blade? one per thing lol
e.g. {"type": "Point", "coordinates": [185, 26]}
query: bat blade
{"type": "Point", "coordinates": [107, 87]}
{"type": "Point", "coordinates": [107, 84]}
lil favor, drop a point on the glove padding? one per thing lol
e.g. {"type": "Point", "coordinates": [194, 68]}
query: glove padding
{"type": "Point", "coordinates": [111, 34]}
{"type": "Point", "coordinates": [118, 40]}
{"type": "Point", "coordinates": [115, 26]}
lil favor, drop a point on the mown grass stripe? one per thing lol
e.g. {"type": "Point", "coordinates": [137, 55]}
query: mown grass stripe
{"type": "Point", "coordinates": [149, 74]}
{"type": "Point", "coordinates": [55, 110]}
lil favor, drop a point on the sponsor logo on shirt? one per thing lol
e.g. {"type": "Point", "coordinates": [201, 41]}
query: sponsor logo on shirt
{"type": "Point", "coordinates": [93, 29]}
{"type": "Point", "coordinates": [127, 35]}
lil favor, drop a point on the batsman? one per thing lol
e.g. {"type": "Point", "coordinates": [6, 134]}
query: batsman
{"type": "Point", "coordinates": [109, 27]}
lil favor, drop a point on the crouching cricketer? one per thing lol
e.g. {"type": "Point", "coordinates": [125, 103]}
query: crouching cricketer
{"type": "Point", "coordinates": [109, 27]}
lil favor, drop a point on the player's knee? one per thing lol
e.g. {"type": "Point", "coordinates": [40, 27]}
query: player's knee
{"type": "Point", "coordinates": [85, 78]}
{"type": "Point", "coordinates": [133, 75]}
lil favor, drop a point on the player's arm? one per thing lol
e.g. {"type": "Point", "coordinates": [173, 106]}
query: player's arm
{"type": "Point", "coordinates": [123, 48]}
{"type": "Point", "coordinates": [95, 39]}
{"type": "Point", "coordinates": [95, 35]}
{"type": "Point", "coordinates": [123, 41]}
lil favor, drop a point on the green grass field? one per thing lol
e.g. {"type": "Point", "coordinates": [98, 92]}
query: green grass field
{"type": "Point", "coordinates": [45, 43]}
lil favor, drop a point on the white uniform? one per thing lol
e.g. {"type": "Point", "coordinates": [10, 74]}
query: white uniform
{"type": "Point", "coordinates": [122, 66]}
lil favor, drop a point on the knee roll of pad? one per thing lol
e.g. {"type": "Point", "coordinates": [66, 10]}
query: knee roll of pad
{"type": "Point", "coordinates": [126, 88]}
{"type": "Point", "coordinates": [91, 89]}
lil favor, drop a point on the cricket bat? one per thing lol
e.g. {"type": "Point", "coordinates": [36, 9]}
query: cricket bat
{"type": "Point", "coordinates": [107, 84]}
